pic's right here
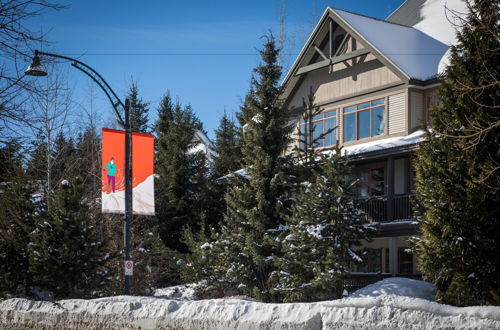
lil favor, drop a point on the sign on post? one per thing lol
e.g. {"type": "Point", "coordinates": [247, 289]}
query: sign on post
{"type": "Point", "coordinates": [113, 172]}
{"type": "Point", "coordinates": [129, 268]}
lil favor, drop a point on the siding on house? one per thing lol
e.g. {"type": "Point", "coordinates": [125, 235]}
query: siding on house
{"type": "Point", "coordinates": [397, 113]}
{"type": "Point", "coordinates": [416, 110]}
{"type": "Point", "coordinates": [360, 75]}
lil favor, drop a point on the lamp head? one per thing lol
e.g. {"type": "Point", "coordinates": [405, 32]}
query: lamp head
{"type": "Point", "coordinates": [36, 68]}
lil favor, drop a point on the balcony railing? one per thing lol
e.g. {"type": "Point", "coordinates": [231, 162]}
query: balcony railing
{"type": "Point", "coordinates": [377, 208]}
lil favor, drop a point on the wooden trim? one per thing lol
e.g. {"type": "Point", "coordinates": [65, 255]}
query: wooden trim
{"type": "Point", "coordinates": [354, 97]}
{"type": "Point", "coordinates": [358, 111]}
{"type": "Point", "coordinates": [331, 61]}
{"type": "Point", "coordinates": [381, 57]}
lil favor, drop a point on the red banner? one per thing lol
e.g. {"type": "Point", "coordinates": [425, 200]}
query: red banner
{"type": "Point", "coordinates": [113, 171]}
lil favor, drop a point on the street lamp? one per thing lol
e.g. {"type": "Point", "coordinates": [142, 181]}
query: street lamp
{"type": "Point", "coordinates": [36, 69]}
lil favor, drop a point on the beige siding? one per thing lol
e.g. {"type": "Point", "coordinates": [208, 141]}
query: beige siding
{"type": "Point", "coordinates": [360, 75]}
{"type": "Point", "coordinates": [416, 110]}
{"type": "Point", "coordinates": [397, 113]}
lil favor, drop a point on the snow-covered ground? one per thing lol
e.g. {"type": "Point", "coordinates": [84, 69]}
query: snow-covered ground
{"type": "Point", "coordinates": [398, 286]}
{"type": "Point", "coordinates": [368, 308]}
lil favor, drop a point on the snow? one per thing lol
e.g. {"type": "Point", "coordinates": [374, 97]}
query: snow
{"type": "Point", "coordinates": [203, 144]}
{"type": "Point", "coordinates": [392, 142]}
{"type": "Point", "coordinates": [414, 52]}
{"type": "Point", "coordinates": [179, 292]}
{"type": "Point", "coordinates": [398, 286]}
{"type": "Point", "coordinates": [128, 312]}
{"type": "Point", "coordinates": [242, 172]}
{"type": "Point", "coordinates": [440, 18]}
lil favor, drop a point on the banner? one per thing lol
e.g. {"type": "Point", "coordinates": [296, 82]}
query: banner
{"type": "Point", "coordinates": [113, 171]}
{"type": "Point", "coordinates": [143, 146]}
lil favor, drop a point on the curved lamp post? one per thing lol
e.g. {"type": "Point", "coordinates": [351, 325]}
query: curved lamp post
{"type": "Point", "coordinates": [36, 69]}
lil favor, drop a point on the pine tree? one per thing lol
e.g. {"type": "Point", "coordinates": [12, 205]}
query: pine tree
{"type": "Point", "coordinates": [227, 148]}
{"type": "Point", "coordinates": [181, 188]}
{"type": "Point", "coordinates": [257, 205]}
{"type": "Point", "coordinates": [323, 229]}
{"type": "Point", "coordinates": [63, 157]}
{"type": "Point", "coordinates": [154, 263]}
{"type": "Point", "coordinates": [16, 222]}
{"type": "Point", "coordinates": [139, 110]}
{"type": "Point", "coordinates": [65, 255]}
{"type": "Point", "coordinates": [457, 169]}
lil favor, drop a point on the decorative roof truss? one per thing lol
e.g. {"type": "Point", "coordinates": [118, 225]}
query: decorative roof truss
{"type": "Point", "coordinates": [334, 56]}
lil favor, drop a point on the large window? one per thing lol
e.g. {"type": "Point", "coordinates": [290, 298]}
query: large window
{"type": "Point", "coordinates": [370, 182]}
{"type": "Point", "coordinates": [324, 123]}
{"type": "Point", "coordinates": [364, 120]}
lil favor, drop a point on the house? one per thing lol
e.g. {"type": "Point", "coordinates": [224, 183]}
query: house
{"type": "Point", "coordinates": [202, 143]}
{"type": "Point", "coordinates": [375, 81]}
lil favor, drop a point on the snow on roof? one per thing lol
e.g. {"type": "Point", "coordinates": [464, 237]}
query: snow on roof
{"type": "Point", "coordinates": [242, 172]}
{"type": "Point", "coordinates": [412, 51]}
{"type": "Point", "coordinates": [439, 19]}
{"type": "Point", "coordinates": [204, 145]}
{"type": "Point", "coordinates": [388, 143]}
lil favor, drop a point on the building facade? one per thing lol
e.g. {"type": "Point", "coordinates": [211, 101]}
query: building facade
{"type": "Point", "coordinates": [375, 81]}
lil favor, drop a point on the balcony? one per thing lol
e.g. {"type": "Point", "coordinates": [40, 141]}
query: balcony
{"type": "Point", "coordinates": [384, 209]}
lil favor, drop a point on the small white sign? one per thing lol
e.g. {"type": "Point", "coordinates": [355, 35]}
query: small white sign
{"type": "Point", "coordinates": [129, 268]}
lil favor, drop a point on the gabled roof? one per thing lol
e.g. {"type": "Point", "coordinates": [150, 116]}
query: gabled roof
{"type": "Point", "coordinates": [413, 53]}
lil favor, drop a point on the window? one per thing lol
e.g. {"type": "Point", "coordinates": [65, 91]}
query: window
{"type": "Point", "coordinates": [372, 260]}
{"type": "Point", "coordinates": [370, 182]}
{"type": "Point", "coordinates": [364, 120]}
{"type": "Point", "coordinates": [405, 261]}
{"type": "Point", "coordinates": [431, 100]}
{"type": "Point", "coordinates": [324, 123]}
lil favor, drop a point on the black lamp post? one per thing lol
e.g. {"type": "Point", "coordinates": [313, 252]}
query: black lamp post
{"type": "Point", "coordinates": [36, 69]}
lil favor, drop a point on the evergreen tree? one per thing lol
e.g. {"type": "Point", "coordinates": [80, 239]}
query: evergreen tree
{"type": "Point", "coordinates": [139, 110]}
{"type": "Point", "coordinates": [63, 156]}
{"type": "Point", "coordinates": [181, 189]}
{"type": "Point", "coordinates": [154, 263]}
{"type": "Point", "coordinates": [323, 229]}
{"type": "Point", "coordinates": [16, 222]}
{"type": "Point", "coordinates": [227, 148]}
{"type": "Point", "coordinates": [257, 204]}
{"type": "Point", "coordinates": [457, 169]}
{"type": "Point", "coordinates": [65, 256]}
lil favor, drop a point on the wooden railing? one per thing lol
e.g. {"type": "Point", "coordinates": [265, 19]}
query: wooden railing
{"type": "Point", "coordinates": [377, 208]}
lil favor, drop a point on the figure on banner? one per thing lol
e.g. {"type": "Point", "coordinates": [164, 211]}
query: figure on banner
{"type": "Point", "coordinates": [111, 166]}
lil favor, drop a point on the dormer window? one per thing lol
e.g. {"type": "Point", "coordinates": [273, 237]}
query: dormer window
{"type": "Point", "coordinates": [364, 120]}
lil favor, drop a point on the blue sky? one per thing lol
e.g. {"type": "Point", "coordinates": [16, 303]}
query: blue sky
{"type": "Point", "coordinates": [202, 51]}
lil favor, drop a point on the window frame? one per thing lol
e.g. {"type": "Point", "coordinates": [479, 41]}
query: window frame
{"type": "Point", "coordinates": [427, 105]}
{"type": "Point", "coordinates": [315, 122]}
{"type": "Point", "coordinates": [401, 252]}
{"type": "Point", "coordinates": [356, 113]}
{"type": "Point", "coordinates": [369, 182]}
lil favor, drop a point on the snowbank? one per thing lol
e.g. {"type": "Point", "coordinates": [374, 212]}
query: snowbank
{"type": "Point", "coordinates": [123, 312]}
{"type": "Point", "coordinates": [178, 292]}
{"type": "Point", "coordinates": [398, 286]}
